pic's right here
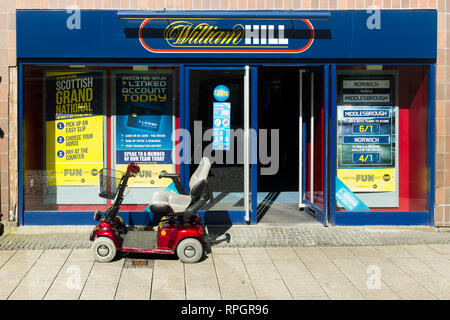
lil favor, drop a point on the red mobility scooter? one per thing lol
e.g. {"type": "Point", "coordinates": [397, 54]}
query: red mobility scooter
{"type": "Point", "coordinates": [179, 231]}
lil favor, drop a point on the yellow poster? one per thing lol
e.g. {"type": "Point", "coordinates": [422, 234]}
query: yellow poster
{"type": "Point", "coordinates": [74, 127]}
{"type": "Point", "coordinates": [148, 176]}
{"type": "Point", "coordinates": [368, 180]}
{"type": "Point", "coordinates": [74, 151]}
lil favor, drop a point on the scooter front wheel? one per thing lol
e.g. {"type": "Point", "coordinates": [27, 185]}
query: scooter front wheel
{"type": "Point", "coordinates": [103, 249]}
{"type": "Point", "coordinates": [190, 250]}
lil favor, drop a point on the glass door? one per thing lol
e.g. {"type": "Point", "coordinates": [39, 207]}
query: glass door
{"type": "Point", "coordinates": [217, 119]}
{"type": "Point", "coordinates": [314, 142]}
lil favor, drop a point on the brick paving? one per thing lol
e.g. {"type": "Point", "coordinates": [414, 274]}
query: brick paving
{"type": "Point", "coordinates": [243, 236]}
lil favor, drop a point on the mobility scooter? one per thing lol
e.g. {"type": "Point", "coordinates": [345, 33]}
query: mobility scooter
{"type": "Point", "coordinates": [179, 231]}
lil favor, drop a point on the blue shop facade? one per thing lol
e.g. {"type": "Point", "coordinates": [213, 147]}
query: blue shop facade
{"type": "Point", "coordinates": [307, 116]}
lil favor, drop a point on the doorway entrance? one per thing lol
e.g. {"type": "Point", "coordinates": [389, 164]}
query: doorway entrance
{"type": "Point", "coordinates": [290, 113]}
{"type": "Point", "coordinates": [218, 119]}
{"type": "Point", "coordinates": [263, 130]}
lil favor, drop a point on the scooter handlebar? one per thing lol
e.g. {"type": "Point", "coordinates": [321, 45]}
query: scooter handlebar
{"type": "Point", "coordinates": [165, 174]}
{"type": "Point", "coordinates": [132, 169]}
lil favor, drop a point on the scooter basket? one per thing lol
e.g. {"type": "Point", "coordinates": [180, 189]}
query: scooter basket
{"type": "Point", "coordinates": [109, 181]}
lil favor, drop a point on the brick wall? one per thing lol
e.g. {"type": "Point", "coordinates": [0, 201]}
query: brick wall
{"type": "Point", "coordinates": [7, 59]}
{"type": "Point", "coordinates": [8, 54]}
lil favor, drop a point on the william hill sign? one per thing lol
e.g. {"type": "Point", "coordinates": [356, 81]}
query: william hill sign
{"type": "Point", "coordinates": [226, 35]}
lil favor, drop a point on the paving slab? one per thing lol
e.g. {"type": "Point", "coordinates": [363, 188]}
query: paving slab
{"type": "Point", "coordinates": [72, 277]}
{"type": "Point", "coordinates": [296, 276]}
{"type": "Point", "coordinates": [432, 258]}
{"type": "Point", "coordinates": [265, 278]}
{"type": "Point", "coordinates": [233, 273]}
{"type": "Point", "coordinates": [282, 253]}
{"type": "Point", "coordinates": [337, 252]}
{"type": "Point", "coordinates": [364, 251]}
{"type": "Point", "coordinates": [393, 252]}
{"type": "Point", "coordinates": [331, 279]}
{"type": "Point", "coordinates": [168, 280]}
{"type": "Point", "coordinates": [135, 284]}
{"type": "Point", "coordinates": [15, 269]}
{"type": "Point", "coordinates": [313, 298]}
{"type": "Point", "coordinates": [440, 266]}
{"type": "Point", "coordinates": [364, 278]}
{"type": "Point", "coordinates": [423, 252]}
{"type": "Point", "coordinates": [234, 282]}
{"type": "Point", "coordinates": [70, 281]}
{"type": "Point", "coordinates": [81, 255]}
{"type": "Point", "coordinates": [37, 281]}
{"type": "Point", "coordinates": [430, 280]}
{"type": "Point", "coordinates": [224, 251]}
{"type": "Point", "coordinates": [398, 280]}
{"type": "Point", "coordinates": [102, 281]}
{"type": "Point", "coordinates": [441, 248]}
{"type": "Point", "coordinates": [5, 256]}
{"type": "Point", "coordinates": [201, 280]}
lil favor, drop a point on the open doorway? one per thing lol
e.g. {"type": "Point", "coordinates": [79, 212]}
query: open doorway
{"type": "Point", "coordinates": [285, 99]}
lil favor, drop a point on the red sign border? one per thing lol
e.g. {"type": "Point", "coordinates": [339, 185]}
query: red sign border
{"type": "Point", "coordinates": [147, 47]}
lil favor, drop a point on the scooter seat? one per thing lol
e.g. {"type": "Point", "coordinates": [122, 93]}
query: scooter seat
{"type": "Point", "coordinates": [165, 202]}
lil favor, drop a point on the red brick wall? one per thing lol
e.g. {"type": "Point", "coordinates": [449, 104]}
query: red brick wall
{"type": "Point", "coordinates": [7, 58]}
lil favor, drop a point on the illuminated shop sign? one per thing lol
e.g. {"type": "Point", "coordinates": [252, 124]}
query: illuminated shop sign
{"type": "Point", "coordinates": [226, 36]}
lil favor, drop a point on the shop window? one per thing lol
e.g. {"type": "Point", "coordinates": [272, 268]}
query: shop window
{"type": "Point", "coordinates": [78, 120]}
{"type": "Point", "coordinates": [382, 133]}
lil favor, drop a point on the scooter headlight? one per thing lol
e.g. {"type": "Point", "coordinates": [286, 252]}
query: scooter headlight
{"type": "Point", "coordinates": [97, 215]}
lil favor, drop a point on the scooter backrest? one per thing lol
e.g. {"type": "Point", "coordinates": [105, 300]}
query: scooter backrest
{"type": "Point", "coordinates": [198, 178]}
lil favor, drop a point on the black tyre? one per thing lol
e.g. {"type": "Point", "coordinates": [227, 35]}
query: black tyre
{"type": "Point", "coordinates": [103, 249]}
{"type": "Point", "coordinates": [190, 250]}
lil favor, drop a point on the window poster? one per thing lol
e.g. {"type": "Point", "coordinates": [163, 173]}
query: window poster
{"type": "Point", "coordinates": [221, 125]}
{"type": "Point", "coordinates": [366, 145]}
{"type": "Point", "coordinates": [144, 125]}
{"type": "Point", "coordinates": [221, 118]}
{"type": "Point", "coordinates": [74, 127]}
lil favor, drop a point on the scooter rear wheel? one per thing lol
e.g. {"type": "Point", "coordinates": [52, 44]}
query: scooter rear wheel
{"type": "Point", "coordinates": [103, 249]}
{"type": "Point", "coordinates": [190, 250]}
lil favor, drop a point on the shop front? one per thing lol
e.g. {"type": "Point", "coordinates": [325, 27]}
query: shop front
{"type": "Point", "coordinates": [307, 116]}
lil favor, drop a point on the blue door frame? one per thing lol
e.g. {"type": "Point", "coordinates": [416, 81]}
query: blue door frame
{"type": "Point", "coordinates": [238, 216]}
{"type": "Point", "coordinates": [321, 214]}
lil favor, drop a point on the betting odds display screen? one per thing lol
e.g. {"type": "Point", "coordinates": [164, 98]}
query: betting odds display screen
{"type": "Point", "coordinates": [367, 142]}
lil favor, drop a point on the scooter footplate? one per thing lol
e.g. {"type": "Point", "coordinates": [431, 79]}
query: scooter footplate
{"type": "Point", "coordinates": [139, 239]}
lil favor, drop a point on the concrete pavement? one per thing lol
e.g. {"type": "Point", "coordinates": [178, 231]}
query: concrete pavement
{"type": "Point", "coordinates": [290, 272]}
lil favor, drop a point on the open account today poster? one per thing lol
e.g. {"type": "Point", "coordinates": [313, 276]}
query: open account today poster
{"type": "Point", "coordinates": [144, 124]}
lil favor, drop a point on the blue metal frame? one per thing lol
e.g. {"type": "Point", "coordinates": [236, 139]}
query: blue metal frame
{"type": "Point", "coordinates": [20, 205]}
{"type": "Point", "coordinates": [333, 137]}
{"type": "Point", "coordinates": [182, 117]}
{"type": "Point", "coordinates": [321, 213]}
{"type": "Point", "coordinates": [326, 85]}
{"type": "Point", "coordinates": [330, 169]}
{"type": "Point", "coordinates": [384, 217]}
{"type": "Point", "coordinates": [254, 144]}
{"type": "Point", "coordinates": [139, 218]}
{"type": "Point", "coordinates": [431, 86]}
{"type": "Point", "coordinates": [102, 35]}
{"type": "Point", "coordinates": [79, 217]}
